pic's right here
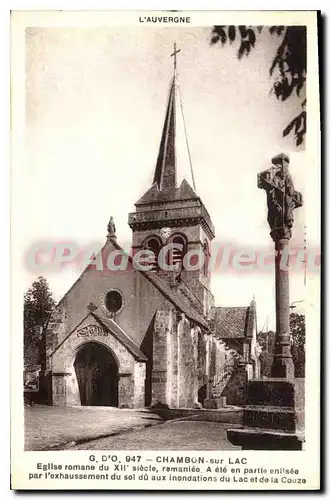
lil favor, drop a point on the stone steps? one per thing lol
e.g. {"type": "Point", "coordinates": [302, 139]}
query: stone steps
{"type": "Point", "coordinates": [218, 387]}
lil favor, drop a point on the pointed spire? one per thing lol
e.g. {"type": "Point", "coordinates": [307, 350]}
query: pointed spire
{"type": "Point", "coordinates": [165, 170]}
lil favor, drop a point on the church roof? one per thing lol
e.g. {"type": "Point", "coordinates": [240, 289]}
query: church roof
{"type": "Point", "coordinates": [170, 293]}
{"type": "Point", "coordinates": [164, 187]}
{"type": "Point", "coordinates": [121, 336]}
{"type": "Point", "coordinates": [234, 322]}
{"type": "Point", "coordinates": [176, 299]}
{"type": "Point", "coordinates": [165, 170]}
{"type": "Point", "coordinates": [155, 195]}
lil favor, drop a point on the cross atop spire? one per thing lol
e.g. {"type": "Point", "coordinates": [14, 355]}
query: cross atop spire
{"type": "Point", "coordinates": [165, 170]}
{"type": "Point", "coordinates": [174, 55]}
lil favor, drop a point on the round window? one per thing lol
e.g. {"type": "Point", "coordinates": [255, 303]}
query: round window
{"type": "Point", "coordinates": [114, 301]}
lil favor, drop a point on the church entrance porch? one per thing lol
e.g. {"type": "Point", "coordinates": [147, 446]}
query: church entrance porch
{"type": "Point", "coordinates": [97, 375]}
{"type": "Point", "coordinates": [97, 364]}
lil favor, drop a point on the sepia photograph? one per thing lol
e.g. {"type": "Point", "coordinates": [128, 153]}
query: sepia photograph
{"type": "Point", "coordinates": [168, 244]}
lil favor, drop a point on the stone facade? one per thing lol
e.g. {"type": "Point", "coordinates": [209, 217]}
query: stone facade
{"type": "Point", "coordinates": [131, 371]}
{"type": "Point", "coordinates": [131, 337]}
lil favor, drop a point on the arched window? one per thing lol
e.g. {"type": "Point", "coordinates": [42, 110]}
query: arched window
{"type": "Point", "coordinates": [178, 251]}
{"type": "Point", "coordinates": [206, 254]}
{"type": "Point", "coordinates": [153, 244]}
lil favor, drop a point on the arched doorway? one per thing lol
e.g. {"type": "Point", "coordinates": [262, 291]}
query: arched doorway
{"type": "Point", "coordinates": [97, 375]}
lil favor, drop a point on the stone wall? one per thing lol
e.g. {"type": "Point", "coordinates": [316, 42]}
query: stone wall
{"type": "Point", "coordinates": [126, 390]}
{"type": "Point", "coordinates": [162, 356]}
{"type": "Point", "coordinates": [140, 301]}
{"type": "Point", "coordinates": [139, 375]}
{"type": "Point", "coordinates": [198, 282]}
{"type": "Point", "coordinates": [187, 373]}
{"type": "Point", "coordinates": [179, 360]}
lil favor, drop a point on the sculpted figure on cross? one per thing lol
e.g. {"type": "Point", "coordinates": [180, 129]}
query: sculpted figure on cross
{"type": "Point", "coordinates": [282, 198]}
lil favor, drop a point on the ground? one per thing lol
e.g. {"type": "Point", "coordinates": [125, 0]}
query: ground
{"type": "Point", "coordinates": [173, 435]}
{"type": "Point", "coordinates": [100, 428]}
{"type": "Point", "coordinates": [54, 426]}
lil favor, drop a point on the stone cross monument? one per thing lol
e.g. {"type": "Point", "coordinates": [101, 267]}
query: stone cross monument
{"type": "Point", "coordinates": [273, 418]}
{"type": "Point", "coordinates": [282, 199]}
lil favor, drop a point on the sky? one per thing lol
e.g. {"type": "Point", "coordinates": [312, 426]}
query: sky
{"type": "Point", "coordinates": [95, 105]}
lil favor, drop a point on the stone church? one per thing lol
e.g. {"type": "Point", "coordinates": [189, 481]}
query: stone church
{"type": "Point", "coordinates": [134, 338]}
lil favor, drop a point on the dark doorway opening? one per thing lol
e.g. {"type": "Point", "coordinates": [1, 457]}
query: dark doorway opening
{"type": "Point", "coordinates": [97, 375]}
{"type": "Point", "coordinates": [202, 393]}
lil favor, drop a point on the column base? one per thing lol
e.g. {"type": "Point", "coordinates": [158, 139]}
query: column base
{"type": "Point", "coordinates": [283, 368]}
{"type": "Point", "coordinates": [274, 418]}
{"type": "Point", "coordinates": [261, 439]}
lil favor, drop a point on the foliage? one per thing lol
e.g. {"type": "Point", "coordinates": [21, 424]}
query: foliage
{"type": "Point", "coordinates": [298, 336]}
{"type": "Point", "coordinates": [298, 332]}
{"type": "Point", "coordinates": [266, 340]}
{"type": "Point", "coordinates": [38, 304]}
{"type": "Point", "coordinates": [288, 66]}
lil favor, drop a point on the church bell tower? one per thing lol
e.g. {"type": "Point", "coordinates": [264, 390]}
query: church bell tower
{"type": "Point", "coordinates": [173, 217]}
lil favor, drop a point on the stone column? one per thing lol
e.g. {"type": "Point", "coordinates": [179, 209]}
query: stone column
{"type": "Point", "coordinates": [283, 363]}
{"type": "Point", "coordinates": [282, 199]}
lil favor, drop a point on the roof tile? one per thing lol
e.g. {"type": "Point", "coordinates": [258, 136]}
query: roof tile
{"type": "Point", "coordinates": [234, 322]}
